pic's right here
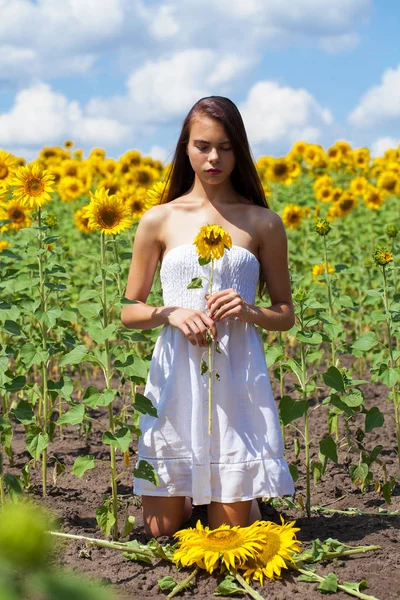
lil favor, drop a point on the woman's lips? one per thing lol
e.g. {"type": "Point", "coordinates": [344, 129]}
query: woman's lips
{"type": "Point", "coordinates": [214, 171]}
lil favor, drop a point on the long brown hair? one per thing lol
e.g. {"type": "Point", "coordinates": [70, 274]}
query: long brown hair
{"type": "Point", "coordinates": [244, 176]}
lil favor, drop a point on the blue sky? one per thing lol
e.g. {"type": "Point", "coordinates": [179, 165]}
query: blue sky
{"type": "Point", "coordinates": [123, 74]}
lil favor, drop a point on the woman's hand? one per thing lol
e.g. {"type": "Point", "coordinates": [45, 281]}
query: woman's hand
{"type": "Point", "coordinates": [229, 303]}
{"type": "Point", "coordinates": [194, 324]}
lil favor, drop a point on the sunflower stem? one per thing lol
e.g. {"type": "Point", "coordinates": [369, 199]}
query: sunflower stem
{"type": "Point", "coordinates": [246, 586]}
{"type": "Point", "coordinates": [183, 584]}
{"type": "Point", "coordinates": [344, 588]}
{"type": "Point", "coordinates": [43, 331]}
{"type": "Point", "coordinates": [210, 363]}
{"type": "Point", "coordinates": [108, 377]}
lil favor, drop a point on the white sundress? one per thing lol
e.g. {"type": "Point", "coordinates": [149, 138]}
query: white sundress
{"type": "Point", "coordinates": [243, 458]}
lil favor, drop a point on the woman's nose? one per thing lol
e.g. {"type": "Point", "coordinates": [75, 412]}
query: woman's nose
{"type": "Point", "coordinates": [213, 155]}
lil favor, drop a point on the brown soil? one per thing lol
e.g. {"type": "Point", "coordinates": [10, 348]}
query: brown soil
{"type": "Point", "coordinates": [75, 502]}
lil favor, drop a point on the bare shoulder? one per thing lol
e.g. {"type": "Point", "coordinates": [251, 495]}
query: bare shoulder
{"type": "Point", "coordinates": [267, 223]}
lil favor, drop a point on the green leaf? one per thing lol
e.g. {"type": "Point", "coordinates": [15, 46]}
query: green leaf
{"type": "Point", "coordinates": [105, 518]}
{"type": "Point", "coordinates": [89, 311]}
{"type": "Point", "coordinates": [51, 239]}
{"type": "Point", "coordinates": [126, 300]}
{"type": "Point", "coordinates": [329, 584]}
{"type": "Point", "coordinates": [24, 413]}
{"type": "Point", "coordinates": [295, 367]}
{"type": "Point", "coordinates": [354, 398]}
{"type": "Point", "coordinates": [50, 316]}
{"type": "Point", "coordinates": [204, 261]}
{"type": "Point", "coordinates": [93, 398]}
{"type": "Point", "coordinates": [335, 400]}
{"type": "Point", "coordinates": [195, 283]}
{"type": "Point", "coordinates": [327, 447]}
{"type": "Point", "coordinates": [309, 338]}
{"type": "Point", "coordinates": [74, 357]}
{"type": "Point", "coordinates": [294, 472]}
{"type": "Point", "coordinates": [374, 418]}
{"type": "Point", "coordinates": [291, 409]}
{"type": "Point", "coordinates": [355, 587]}
{"type": "Point", "coordinates": [36, 442]}
{"type": "Point", "coordinates": [144, 470]}
{"type": "Point", "coordinates": [16, 384]}
{"type": "Point", "coordinates": [82, 464]}
{"type": "Point", "coordinates": [365, 342]}
{"type": "Point", "coordinates": [359, 473]}
{"type": "Point", "coordinates": [73, 417]}
{"type": "Point", "coordinates": [375, 453]}
{"type": "Point", "coordinates": [132, 366]}
{"type": "Point", "coordinates": [229, 587]}
{"type": "Point", "coordinates": [274, 354]}
{"type": "Point", "coordinates": [13, 486]}
{"type": "Point", "coordinates": [99, 334]}
{"type": "Point", "coordinates": [333, 378]}
{"type": "Point", "coordinates": [32, 355]}
{"type": "Point", "coordinates": [167, 583]}
{"type": "Point", "coordinates": [389, 376]}
{"type": "Point", "coordinates": [12, 327]}
{"type": "Point", "coordinates": [121, 439]}
{"type": "Point", "coordinates": [144, 405]}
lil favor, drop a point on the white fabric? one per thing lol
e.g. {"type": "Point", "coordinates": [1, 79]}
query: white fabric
{"type": "Point", "coordinates": [243, 458]}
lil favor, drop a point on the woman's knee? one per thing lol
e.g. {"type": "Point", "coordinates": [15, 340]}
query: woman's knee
{"type": "Point", "coordinates": [164, 516]}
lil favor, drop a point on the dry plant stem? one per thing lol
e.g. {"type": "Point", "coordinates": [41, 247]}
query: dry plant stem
{"type": "Point", "coordinates": [210, 363]}
{"type": "Point", "coordinates": [340, 587]}
{"type": "Point", "coordinates": [183, 584]}
{"type": "Point", "coordinates": [107, 374]}
{"type": "Point", "coordinates": [43, 331]}
{"type": "Point", "coordinates": [392, 361]}
{"type": "Point", "coordinates": [246, 586]}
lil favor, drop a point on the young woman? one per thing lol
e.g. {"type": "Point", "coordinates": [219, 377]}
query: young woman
{"type": "Point", "coordinates": [213, 180]}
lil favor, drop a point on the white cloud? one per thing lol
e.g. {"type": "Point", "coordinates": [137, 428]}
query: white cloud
{"type": "Point", "coordinates": [380, 104]}
{"type": "Point", "coordinates": [382, 144]}
{"type": "Point", "coordinates": [160, 153]}
{"type": "Point", "coordinates": [41, 116]}
{"type": "Point", "coordinates": [338, 44]}
{"type": "Point", "coordinates": [279, 115]}
{"type": "Point", "coordinates": [164, 89]}
{"type": "Point", "coordinates": [164, 24]}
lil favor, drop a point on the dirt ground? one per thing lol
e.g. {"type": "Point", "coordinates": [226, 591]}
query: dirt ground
{"type": "Point", "coordinates": [75, 502]}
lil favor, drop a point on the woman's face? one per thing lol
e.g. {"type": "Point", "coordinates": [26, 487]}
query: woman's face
{"type": "Point", "coordinates": [209, 147]}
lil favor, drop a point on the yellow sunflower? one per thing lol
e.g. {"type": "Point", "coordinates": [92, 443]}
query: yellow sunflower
{"type": "Point", "coordinates": [346, 203]}
{"type": "Point", "coordinates": [107, 213]}
{"type": "Point", "coordinates": [211, 241]}
{"type": "Point", "coordinates": [156, 193]}
{"type": "Point", "coordinates": [138, 202]}
{"type": "Point", "coordinates": [33, 187]}
{"type": "Point", "coordinates": [361, 157]}
{"type": "Point", "coordinates": [7, 167]}
{"type": "Point", "coordinates": [278, 170]}
{"type": "Point", "coordinates": [71, 188]}
{"type": "Point", "coordinates": [292, 216]}
{"type": "Point", "coordinates": [81, 222]}
{"type": "Point", "coordinates": [4, 244]}
{"type": "Point", "coordinates": [387, 182]}
{"type": "Point", "coordinates": [373, 198]}
{"type": "Point", "coordinates": [226, 546]}
{"type": "Point", "coordinates": [318, 270]}
{"type": "Point", "coordinates": [324, 193]}
{"type": "Point", "coordinates": [279, 546]}
{"type": "Point", "coordinates": [322, 181]}
{"type": "Point", "coordinates": [382, 256]}
{"type": "Point", "coordinates": [145, 176]}
{"type": "Point", "coordinates": [359, 185]}
{"type": "Point", "coordinates": [299, 148]}
{"type": "Point", "coordinates": [17, 213]}
{"type": "Point", "coordinates": [68, 144]}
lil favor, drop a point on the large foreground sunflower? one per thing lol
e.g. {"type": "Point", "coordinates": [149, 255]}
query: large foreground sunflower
{"type": "Point", "coordinates": [107, 213]}
{"type": "Point", "coordinates": [279, 546]}
{"type": "Point", "coordinates": [211, 241]}
{"type": "Point", "coordinates": [33, 186]}
{"type": "Point", "coordinates": [228, 546]}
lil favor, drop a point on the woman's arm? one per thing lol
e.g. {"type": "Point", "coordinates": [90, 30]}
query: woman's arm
{"type": "Point", "coordinates": [145, 256]}
{"type": "Point", "coordinates": [273, 253]}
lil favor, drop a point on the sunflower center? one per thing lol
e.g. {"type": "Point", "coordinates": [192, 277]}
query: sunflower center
{"type": "Point", "coordinates": [213, 239]}
{"type": "Point", "coordinates": [222, 540]}
{"type": "Point", "coordinates": [137, 205]}
{"type": "Point", "coordinates": [72, 172]}
{"type": "Point", "coordinates": [112, 190]}
{"type": "Point", "coordinates": [270, 549]}
{"type": "Point", "coordinates": [108, 217]}
{"type": "Point", "coordinates": [74, 187]}
{"type": "Point", "coordinates": [346, 204]}
{"type": "Point", "coordinates": [390, 184]}
{"type": "Point", "coordinates": [17, 215]}
{"type": "Point", "coordinates": [34, 186]}
{"type": "Point", "coordinates": [280, 169]}
{"type": "Point", "coordinates": [294, 217]}
{"type": "Point", "coordinates": [3, 171]}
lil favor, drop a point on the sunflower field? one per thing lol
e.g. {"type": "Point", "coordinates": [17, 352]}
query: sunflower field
{"type": "Point", "coordinates": [72, 377]}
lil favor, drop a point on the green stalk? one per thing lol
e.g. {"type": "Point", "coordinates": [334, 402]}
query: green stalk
{"type": "Point", "coordinates": [117, 261]}
{"type": "Point", "coordinates": [306, 421]}
{"type": "Point", "coordinates": [2, 496]}
{"type": "Point", "coordinates": [340, 587]}
{"type": "Point", "coordinates": [246, 586]}
{"type": "Point", "coordinates": [44, 346]}
{"type": "Point", "coordinates": [210, 363]}
{"type": "Point", "coordinates": [107, 373]}
{"type": "Point", "coordinates": [328, 287]}
{"type": "Point", "coordinates": [183, 584]}
{"type": "Point", "coordinates": [392, 361]}
{"type": "Point", "coordinates": [121, 547]}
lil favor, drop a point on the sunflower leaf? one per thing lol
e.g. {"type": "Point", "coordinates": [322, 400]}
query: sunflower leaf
{"type": "Point", "coordinates": [195, 283]}
{"type": "Point", "coordinates": [167, 583]}
{"type": "Point", "coordinates": [229, 587]}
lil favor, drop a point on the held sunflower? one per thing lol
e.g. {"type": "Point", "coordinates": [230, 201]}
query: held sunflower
{"type": "Point", "coordinates": [211, 242]}
{"type": "Point", "coordinates": [279, 546]}
{"type": "Point", "coordinates": [107, 213]}
{"type": "Point", "coordinates": [33, 186]}
{"type": "Point", "coordinates": [225, 546]}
